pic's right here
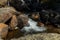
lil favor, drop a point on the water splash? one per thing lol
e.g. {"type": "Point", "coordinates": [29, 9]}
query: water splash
{"type": "Point", "coordinates": [33, 27]}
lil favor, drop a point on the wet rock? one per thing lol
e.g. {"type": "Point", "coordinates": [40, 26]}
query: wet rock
{"type": "Point", "coordinates": [26, 5]}
{"type": "Point", "coordinates": [14, 22]}
{"type": "Point", "coordinates": [22, 20]}
{"type": "Point", "coordinates": [52, 29]}
{"type": "Point", "coordinates": [40, 24]}
{"type": "Point", "coordinates": [44, 15]}
{"type": "Point", "coordinates": [29, 5]}
{"type": "Point", "coordinates": [6, 13]}
{"type": "Point", "coordinates": [3, 30]}
{"type": "Point", "coordinates": [14, 34]}
{"type": "Point", "coordinates": [17, 4]}
{"type": "Point", "coordinates": [35, 15]}
{"type": "Point", "coordinates": [44, 1]}
{"type": "Point", "coordinates": [3, 3]}
{"type": "Point", "coordinates": [50, 17]}
{"type": "Point", "coordinates": [55, 5]}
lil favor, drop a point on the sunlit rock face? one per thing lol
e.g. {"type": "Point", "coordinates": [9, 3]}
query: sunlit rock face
{"type": "Point", "coordinates": [6, 13]}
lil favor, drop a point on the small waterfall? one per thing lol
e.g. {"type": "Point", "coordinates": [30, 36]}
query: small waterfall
{"type": "Point", "coordinates": [8, 4]}
{"type": "Point", "coordinates": [33, 27]}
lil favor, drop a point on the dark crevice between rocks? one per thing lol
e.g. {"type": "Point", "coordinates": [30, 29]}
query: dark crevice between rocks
{"type": "Point", "coordinates": [8, 21]}
{"type": "Point", "coordinates": [13, 33]}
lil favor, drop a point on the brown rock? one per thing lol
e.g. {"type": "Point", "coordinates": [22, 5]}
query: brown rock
{"type": "Point", "coordinates": [35, 15]}
{"type": "Point", "coordinates": [52, 29]}
{"type": "Point", "coordinates": [14, 34]}
{"type": "Point", "coordinates": [14, 22]}
{"type": "Point", "coordinates": [3, 3]}
{"type": "Point", "coordinates": [40, 24]}
{"type": "Point", "coordinates": [22, 20]}
{"type": "Point", "coordinates": [3, 30]}
{"type": "Point", "coordinates": [6, 14]}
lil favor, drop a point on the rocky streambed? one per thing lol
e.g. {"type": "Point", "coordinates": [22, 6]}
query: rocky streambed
{"type": "Point", "coordinates": [21, 25]}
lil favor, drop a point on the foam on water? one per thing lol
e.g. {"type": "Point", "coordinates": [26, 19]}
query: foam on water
{"type": "Point", "coordinates": [33, 27]}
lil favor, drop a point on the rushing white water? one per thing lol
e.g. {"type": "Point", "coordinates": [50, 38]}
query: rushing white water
{"type": "Point", "coordinates": [33, 27]}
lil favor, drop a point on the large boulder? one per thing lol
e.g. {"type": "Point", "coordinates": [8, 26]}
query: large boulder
{"type": "Point", "coordinates": [6, 13]}
{"type": "Point", "coordinates": [22, 20]}
{"type": "Point", "coordinates": [3, 30]}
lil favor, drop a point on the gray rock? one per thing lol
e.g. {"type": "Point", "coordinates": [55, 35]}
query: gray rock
{"type": "Point", "coordinates": [41, 36]}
